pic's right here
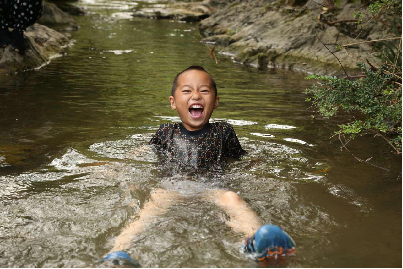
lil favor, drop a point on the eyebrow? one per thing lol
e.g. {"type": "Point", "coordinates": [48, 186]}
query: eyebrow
{"type": "Point", "coordinates": [205, 85]}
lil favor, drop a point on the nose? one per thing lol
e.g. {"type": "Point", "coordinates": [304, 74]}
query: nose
{"type": "Point", "coordinates": [196, 95]}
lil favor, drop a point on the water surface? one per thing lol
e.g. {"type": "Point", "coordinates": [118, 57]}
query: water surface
{"type": "Point", "coordinates": [73, 176]}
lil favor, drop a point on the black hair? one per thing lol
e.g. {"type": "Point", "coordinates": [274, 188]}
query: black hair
{"type": "Point", "coordinates": [193, 67]}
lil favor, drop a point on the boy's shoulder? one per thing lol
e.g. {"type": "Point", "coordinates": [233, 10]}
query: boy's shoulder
{"type": "Point", "coordinates": [171, 126]}
{"type": "Point", "coordinates": [223, 125]}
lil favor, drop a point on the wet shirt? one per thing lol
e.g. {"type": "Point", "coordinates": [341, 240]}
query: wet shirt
{"type": "Point", "coordinates": [211, 145]}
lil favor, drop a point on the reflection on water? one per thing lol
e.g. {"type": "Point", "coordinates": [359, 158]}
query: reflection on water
{"type": "Point", "coordinates": [76, 167]}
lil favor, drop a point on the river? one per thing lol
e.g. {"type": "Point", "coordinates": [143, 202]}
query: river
{"type": "Point", "coordinates": [72, 176]}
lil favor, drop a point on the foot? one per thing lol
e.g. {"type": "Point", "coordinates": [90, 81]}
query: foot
{"type": "Point", "coordinates": [270, 242]}
{"type": "Point", "coordinates": [4, 37]}
{"type": "Point", "coordinates": [17, 41]}
{"type": "Point", "coordinates": [119, 259]}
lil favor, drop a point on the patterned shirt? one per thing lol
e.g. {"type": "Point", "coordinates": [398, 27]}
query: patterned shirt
{"type": "Point", "coordinates": [211, 145]}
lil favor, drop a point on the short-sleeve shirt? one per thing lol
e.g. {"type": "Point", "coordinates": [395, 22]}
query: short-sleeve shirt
{"type": "Point", "coordinates": [211, 145]}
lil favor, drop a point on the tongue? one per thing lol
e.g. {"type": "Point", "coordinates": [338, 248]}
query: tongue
{"type": "Point", "coordinates": [196, 112]}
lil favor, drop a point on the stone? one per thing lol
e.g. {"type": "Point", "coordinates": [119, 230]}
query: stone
{"type": "Point", "coordinates": [71, 9]}
{"type": "Point", "coordinates": [42, 43]}
{"type": "Point", "coordinates": [51, 14]}
{"type": "Point", "coordinates": [189, 12]}
{"type": "Point", "coordinates": [287, 37]}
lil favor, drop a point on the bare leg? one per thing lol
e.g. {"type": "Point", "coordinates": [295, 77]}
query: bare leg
{"type": "Point", "coordinates": [242, 218]}
{"type": "Point", "coordinates": [158, 204]}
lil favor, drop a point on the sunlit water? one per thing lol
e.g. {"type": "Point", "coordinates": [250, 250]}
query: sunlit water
{"type": "Point", "coordinates": [74, 170]}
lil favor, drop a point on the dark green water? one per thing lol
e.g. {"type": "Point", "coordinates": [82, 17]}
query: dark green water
{"type": "Point", "coordinates": [68, 139]}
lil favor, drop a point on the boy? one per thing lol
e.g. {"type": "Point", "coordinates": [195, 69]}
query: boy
{"type": "Point", "coordinates": [195, 142]}
{"type": "Point", "coordinates": [198, 144]}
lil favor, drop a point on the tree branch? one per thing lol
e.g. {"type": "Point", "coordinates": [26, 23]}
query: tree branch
{"type": "Point", "coordinates": [333, 55]}
{"type": "Point", "coordinates": [340, 21]}
{"type": "Point", "coordinates": [370, 41]}
{"type": "Point", "coordinates": [387, 140]}
{"type": "Point", "coordinates": [364, 161]}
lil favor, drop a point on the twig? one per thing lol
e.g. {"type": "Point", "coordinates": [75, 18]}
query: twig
{"type": "Point", "coordinates": [362, 28]}
{"type": "Point", "coordinates": [370, 41]}
{"type": "Point", "coordinates": [333, 55]}
{"type": "Point", "coordinates": [364, 161]}
{"type": "Point", "coordinates": [354, 77]}
{"type": "Point", "coordinates": [373, 68]}
{"type": "Point", "coordinates": [397, 84]}
{"type": "Point", "coordinates": [387, 140]}
{"type": "Point", "coordinates": [340, 21]}
{"type": "Point", "coordinates": [397, 55]}
{"type": "Point", "coordinates": [389, 73]}
{"type": "Point", "coordinates": [213, 55]}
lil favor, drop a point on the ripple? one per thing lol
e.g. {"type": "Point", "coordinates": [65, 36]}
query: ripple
{"type": "Point", "coordinates": [169, 118]}
{"type": "Point", "coordinates": [119, 52]}
{"type": "Point", "coordinates": [279, 126]}
{"type": "Point", "coordinates": [70, 160]}
{"type": "Point", "coordinates": [263, 135]}
{"type": "Point", "coordinates": [235, 122]}
{"type": "Point", "coordinates": [122, 15]}
{"type": "Point", "coordinates": [135, 148]}
{"type": "Point", "coordinates": [293, 140]}
{"type": "Point", "coordinates": [3, 162]}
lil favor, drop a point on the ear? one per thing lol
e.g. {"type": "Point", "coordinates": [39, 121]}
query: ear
{"type": "Point", "coordinates": [216, 102]}
{"type": "Point", "coordinates": [172, 101]}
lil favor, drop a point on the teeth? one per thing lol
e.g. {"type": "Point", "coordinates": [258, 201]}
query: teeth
{"type": "Point", "coordinates": [196, 106]}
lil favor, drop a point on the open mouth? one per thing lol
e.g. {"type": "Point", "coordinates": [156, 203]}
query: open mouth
{"type": "Point", "coordinates": [196, 111]}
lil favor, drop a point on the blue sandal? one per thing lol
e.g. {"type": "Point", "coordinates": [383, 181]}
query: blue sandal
{"type": "Point", "coordinates": [270, 242]}
{"type": "Point", "coordinates": [119, 259]}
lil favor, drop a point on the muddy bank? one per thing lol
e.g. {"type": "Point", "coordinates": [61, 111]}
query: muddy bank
{"type": "Point", "coordinates": [282, 34]}
{"type": "Point", "coordinates": [42, 43]}
{"type": "Point", "coordinates": [188, 12]}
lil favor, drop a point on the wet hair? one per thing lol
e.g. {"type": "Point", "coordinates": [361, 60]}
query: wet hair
{"type": "Point", "coordinates": [193, 67]}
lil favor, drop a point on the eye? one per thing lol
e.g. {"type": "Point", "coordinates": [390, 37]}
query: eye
{"type": "Point", "coordinates": [186, 91]}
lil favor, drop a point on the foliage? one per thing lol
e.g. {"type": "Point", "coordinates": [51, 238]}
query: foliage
{"type": "Point", "coordinates": [375, 97]}
{"type": "Point", "coordinates": [384, 5]}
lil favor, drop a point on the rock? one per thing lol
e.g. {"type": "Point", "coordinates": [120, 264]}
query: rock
{"type": "Point", "coordinates": [51, 14]}
{"type": "Point", "coordinates": [222, 40]}
{"type": "Point", "coordinates": [189, 12]}
{"type": "Point", "coordinates": [42, 43]}
{"type": "Point", "coordinates": [272, 34]}
{"type": "Point", "coordinates": [71, 9]}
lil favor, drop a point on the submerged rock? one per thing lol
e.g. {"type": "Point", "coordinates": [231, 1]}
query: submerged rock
{"type": "Point", "coordinates": [284, 34]}
{"type": "Point", "coordinates": [51, 14]}
{"type": "Point", "coordinates": [70, 9]}
{"type": "Point", "coordinates": [42, 44]}
{"type": "Point", "coordinates": [189, 12]}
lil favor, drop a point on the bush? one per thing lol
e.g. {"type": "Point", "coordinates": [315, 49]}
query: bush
{"type": "Point", "coordinates": [376, 96]}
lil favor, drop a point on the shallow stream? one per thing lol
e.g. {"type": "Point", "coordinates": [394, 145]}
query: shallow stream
{"type": "Point", "coordinates": [74, 171]}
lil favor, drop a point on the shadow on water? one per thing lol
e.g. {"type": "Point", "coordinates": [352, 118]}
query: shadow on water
{"type": "Point", "coordinates": [75, 171]}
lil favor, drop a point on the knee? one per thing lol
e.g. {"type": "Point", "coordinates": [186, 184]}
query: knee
{"type": "Point", "coordinates": [230, 198]}
{"type": "Point", "coordinates": [162, 195]}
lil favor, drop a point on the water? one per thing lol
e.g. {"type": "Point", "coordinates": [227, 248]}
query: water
{"type": "Point", "coordinates": [74, 170]}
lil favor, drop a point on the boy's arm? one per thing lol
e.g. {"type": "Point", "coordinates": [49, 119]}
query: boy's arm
{"type": "Point", "coordinates": [157, 137]}
{"type": "Point", "coordinates": [233, 148]}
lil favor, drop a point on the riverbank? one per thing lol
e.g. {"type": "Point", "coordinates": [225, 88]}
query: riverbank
{"type": "Point", "coordinates": [288, 35]}
{"type": "Point", "coordinates": [42, 42]}
{"type": "Point", "coordinates": [279, 34]}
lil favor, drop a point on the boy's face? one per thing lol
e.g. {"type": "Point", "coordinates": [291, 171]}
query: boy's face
{"type": "Point", "coordinates": [194, 99]}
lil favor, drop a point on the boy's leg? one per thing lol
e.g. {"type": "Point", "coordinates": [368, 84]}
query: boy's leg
{"type": "Point", "coordinates": [266, 241]}
{"type": "Point", "coordinates": [242, 218]}
{"type": "Point", "coordinates": [158, 204]}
